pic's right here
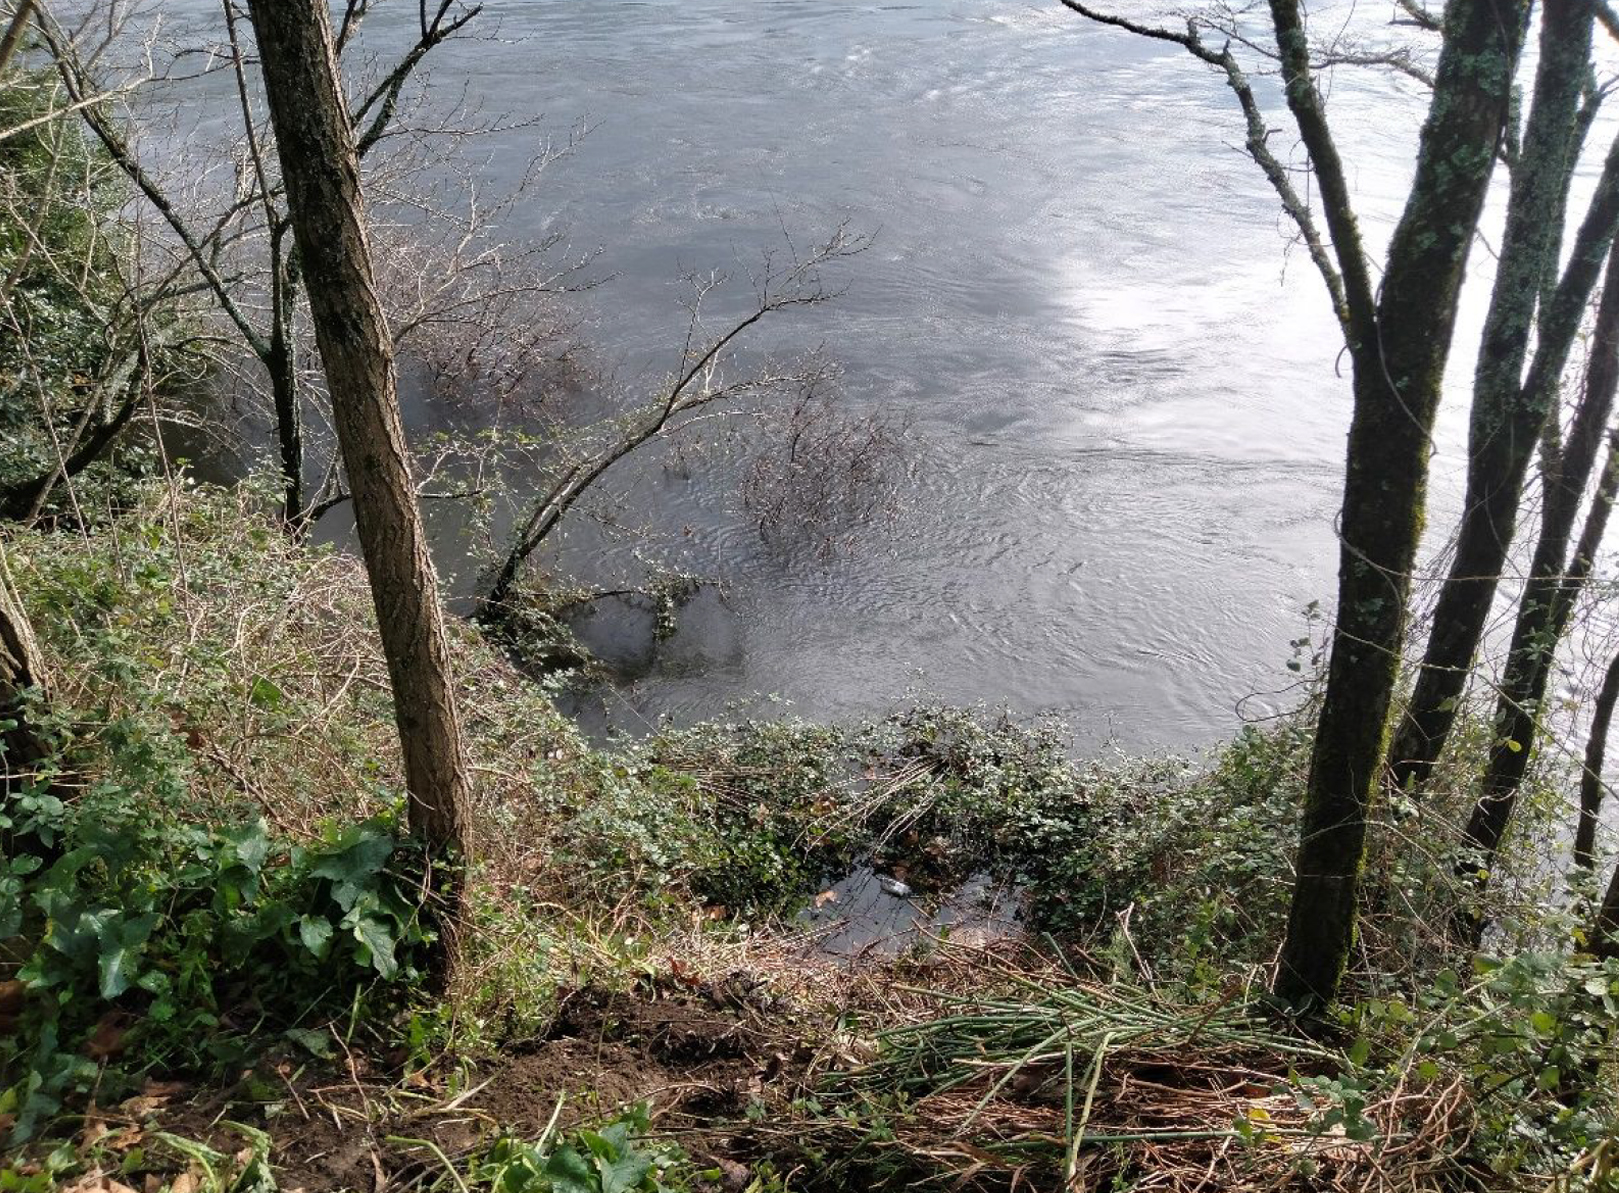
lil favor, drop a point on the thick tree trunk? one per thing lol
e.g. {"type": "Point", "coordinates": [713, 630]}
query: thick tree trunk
{"type": "Point", "coordinates": [1596, 756]}
{"type": "Point", "coordinates": [1398, 368]}
{"type": "Point", "coordinates": [321, 174]}
{"type": "Point", "coordinates": [1506, 415]}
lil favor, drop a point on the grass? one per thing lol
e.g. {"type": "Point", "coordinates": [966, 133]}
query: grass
{"type": "Point", "coordinates": [220, 691]}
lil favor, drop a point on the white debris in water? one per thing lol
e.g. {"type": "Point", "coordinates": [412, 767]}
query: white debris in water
{"type": "Point", "coordinates": [893, 886]}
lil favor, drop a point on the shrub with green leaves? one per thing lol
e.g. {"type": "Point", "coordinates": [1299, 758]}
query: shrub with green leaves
{"type": "Point", "coordinates": [196, 945]}
{"type": "Point", "coordinates": [74, 341]}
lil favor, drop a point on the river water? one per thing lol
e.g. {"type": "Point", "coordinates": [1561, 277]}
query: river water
{"type": "Point", "coordinates": [1125, 423]}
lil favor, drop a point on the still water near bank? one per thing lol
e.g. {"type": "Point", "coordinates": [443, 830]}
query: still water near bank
{"type": "Point", "coordinates": [1126, 423]}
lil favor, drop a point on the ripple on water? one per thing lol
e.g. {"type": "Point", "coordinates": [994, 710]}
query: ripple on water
{"type": "Point", "coordinates": [1128, 431]}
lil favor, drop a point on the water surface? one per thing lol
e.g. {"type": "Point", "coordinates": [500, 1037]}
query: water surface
{"type": "Point", "coordinates": [1126, 420]}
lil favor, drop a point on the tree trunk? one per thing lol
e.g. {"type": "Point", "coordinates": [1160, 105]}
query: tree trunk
{"type": "Point", "coordinates": [1506, 415]}
{"type": "Point", "coordinates": [14, 32]}
{"type": "Point", "coordinates": [21, 670]}
{"type": "Point", "coordinates": [321, 174]}
{"type": "Point", "coordinates": [1543, 616]}
{"type": "Point", "coordinates": [1605, 932]}
{"type": "Point", "coordinates": [282, 367]}
{"type": "Point", "coordinates": [1398, 369]}
{"type": "Point", "coordinates": [1596, 755]}
{"type": "Point", "coordinates": [1554, 583]}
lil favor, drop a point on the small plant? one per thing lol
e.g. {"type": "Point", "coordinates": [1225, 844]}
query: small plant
{"type": "Point", "coordinates": [614, 1158]}
{"type": "Point", "coordinates": [179, 944]}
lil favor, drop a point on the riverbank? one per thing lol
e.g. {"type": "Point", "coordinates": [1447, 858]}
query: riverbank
{"type": "Point", "coordinates": [214, 965]}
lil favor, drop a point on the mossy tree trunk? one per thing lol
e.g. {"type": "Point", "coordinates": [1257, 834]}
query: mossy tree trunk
{"type": "Point", "coordinates": [1556, 579]}
{"type": "Point", "coordinates": [320, 169]}
{"type": "Point", "coordinates": [1508, 411]}
{"type": "Point", "coordinates": [1398, 350]}
{"type": "Point", "coordinates": [1398, 333]}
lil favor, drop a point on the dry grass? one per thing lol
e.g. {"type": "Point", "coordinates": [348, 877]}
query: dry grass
{"type": "Point", "coordinates": [1056, 1082]}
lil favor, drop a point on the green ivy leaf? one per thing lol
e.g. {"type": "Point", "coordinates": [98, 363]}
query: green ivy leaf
{"type": "Point", "coordinates": [625, 1173]}
{"type": "Point", "coordinates": [358, 854]}
{"type": "Point", "coordinates": [316, 1043]}
{"type": "Point", "coordinates": [377, 936]}
{"type": "Point", "coordinates": [265, 694]}
{"type": "Point", "coordinates": [121, 942]}
{"type": "Point", "coordinates": [250, 843]}
{"type": "Point", "coordinates": [568, 1172]}
{"type": "Point", "coordinates": [316, 933]}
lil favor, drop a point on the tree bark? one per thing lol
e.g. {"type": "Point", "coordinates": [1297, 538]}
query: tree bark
{"type": "Point", "coordinates": [21, 671]}
{"type": "Point", "coordinates": [1605, 931]}
{"type": "Point", "coordinates": [321, 172]}
{"type": "Point", "coordinates": [1555, 581]}
{"type": "Point", "coordinates": [1398, 366]}
{"type": "Point", "coordinates": [12, 37]}
{"type": "Point", "coordinates": [1596, 755]}
{"type": "Point", "coordinates": [1543, 616]}
{"type": "Point", "coordinates": [282, 366]}
{"type": "Point", "coordinates": [1507, 415]}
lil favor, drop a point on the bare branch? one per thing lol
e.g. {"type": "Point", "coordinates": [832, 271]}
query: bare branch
{"type": "Point", "coordinates": [697, 383]}
{"type": "Point", "coordinates": [1420, 16]}
{"type": "Point", "coordinates": [1304, 100]}
{"type": "Point", "coordinates": [1257, 146]}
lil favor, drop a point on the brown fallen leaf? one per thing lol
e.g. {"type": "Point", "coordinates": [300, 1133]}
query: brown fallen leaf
{"type": "Point", "coordinates": [94, 1131]}
{"type": "Point", "coordinates": [123, 1140]}
{"type": "Point", "coordinates": [825, 897]}
{"type": "Point", "coordinates": [95, 1181]}
{"type": "Point", "coordinates": [107, 1041]}
{"type": "Point", "coordinates": [184, 1183]}
{"type": "Point", "coordinates": [12, 994]}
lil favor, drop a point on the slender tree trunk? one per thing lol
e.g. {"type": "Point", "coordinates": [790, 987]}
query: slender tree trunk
{"type": "Point", "coordinates": [1555, 580]}
{"type": "Point", "coordinates": [12, 37]}
{"type": "Point", "coordinates": [1398, 366]}
{"type": "Point", "coordinates": [288, 430]}
{"type": "Point", "coordinates": [21, 670]}
{"type": "Point", "coordinates": [1605, 931]}
{"type": "Point", "coordinates": [1506, 415]}
{"type": "Point", "coordinates": [1596, 756]}
{"type": "Point", "coordinates": [321, 173]}
{"type": "Point", "coordinates": [282, 367]}
{"type": "Point", "coordinates": [1543, 616]}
